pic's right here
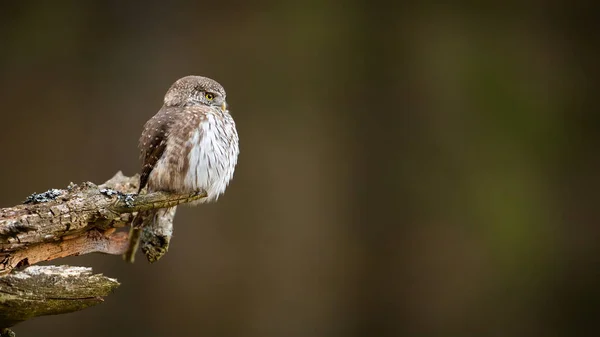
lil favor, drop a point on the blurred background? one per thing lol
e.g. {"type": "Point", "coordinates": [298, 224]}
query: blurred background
{"type": "Point", "coordinates": [405, 170]}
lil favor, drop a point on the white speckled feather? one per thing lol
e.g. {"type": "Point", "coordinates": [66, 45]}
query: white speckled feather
{"type": "Point", "coordinates": [213, 152]}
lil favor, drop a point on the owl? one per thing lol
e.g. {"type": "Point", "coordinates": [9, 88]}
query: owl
{"type": "Point", "coordinates": [190, 145]}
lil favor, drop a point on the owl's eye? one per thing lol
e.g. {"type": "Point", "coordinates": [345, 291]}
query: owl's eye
{"type": "Point", "coordinates": [209, 96]}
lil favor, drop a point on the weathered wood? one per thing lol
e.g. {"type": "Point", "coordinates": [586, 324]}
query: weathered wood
{"type": "Point", "coordinates": [157, 235]}
{"type": "Point", "coordinates": [78, 220]}
{"type": "Point", "coordinates": [50, 290]}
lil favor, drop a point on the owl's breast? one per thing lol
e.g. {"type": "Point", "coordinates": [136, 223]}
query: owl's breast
{"type": "Point", "coordinates": [212, 155]}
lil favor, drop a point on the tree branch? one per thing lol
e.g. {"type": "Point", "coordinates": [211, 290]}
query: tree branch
{"type": "Point", "coordinates": [50, 290]}
{"type": "Point", "coordinates": [80, 219]}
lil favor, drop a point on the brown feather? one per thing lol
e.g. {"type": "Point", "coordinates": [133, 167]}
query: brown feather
{"type": "Point", "coordinates": [153, 143]}
{"type": "Point", "coordinates": [166, 135]}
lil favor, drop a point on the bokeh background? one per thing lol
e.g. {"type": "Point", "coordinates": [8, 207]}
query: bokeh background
{"type": "Point", "coordinates": [405, 170]}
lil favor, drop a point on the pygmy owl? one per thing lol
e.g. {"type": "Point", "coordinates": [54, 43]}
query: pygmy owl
{"type": "Point", "coordinates": [191, 144]}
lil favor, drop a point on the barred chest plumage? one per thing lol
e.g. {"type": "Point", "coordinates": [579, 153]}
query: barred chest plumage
{"type": "Point", "coordinates": [198, 149]}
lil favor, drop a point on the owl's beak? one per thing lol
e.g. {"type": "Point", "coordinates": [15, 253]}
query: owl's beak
{"type": "Point", "coordinates": [224, 106]}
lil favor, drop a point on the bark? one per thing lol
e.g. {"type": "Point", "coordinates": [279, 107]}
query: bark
{"type": "Point", "coordinates": [80, 219]}
{"type": "Point", "coordinates": [50, 290]}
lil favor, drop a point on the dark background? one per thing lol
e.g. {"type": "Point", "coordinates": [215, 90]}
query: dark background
{"type": "Point", "coordinates": [405, 170]}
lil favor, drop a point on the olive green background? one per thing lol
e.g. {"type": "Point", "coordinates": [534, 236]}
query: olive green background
{"type": "Point", "coordinates": [405, 170]}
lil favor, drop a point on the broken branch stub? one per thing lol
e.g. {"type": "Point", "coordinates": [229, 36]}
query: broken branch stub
{"type": "Point", "coordinates": [50, 290]}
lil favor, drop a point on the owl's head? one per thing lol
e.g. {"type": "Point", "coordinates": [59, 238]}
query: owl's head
{"type": "Point", "coordinates": [196, 90]}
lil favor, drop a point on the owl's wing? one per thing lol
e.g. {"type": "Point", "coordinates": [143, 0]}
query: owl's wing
{"type": "Point", "coordinates": [171, 133]}
{"type": "Point", "coordinates": [185, 133]}
{"type": "Point", "coordinates": [153, 143]}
